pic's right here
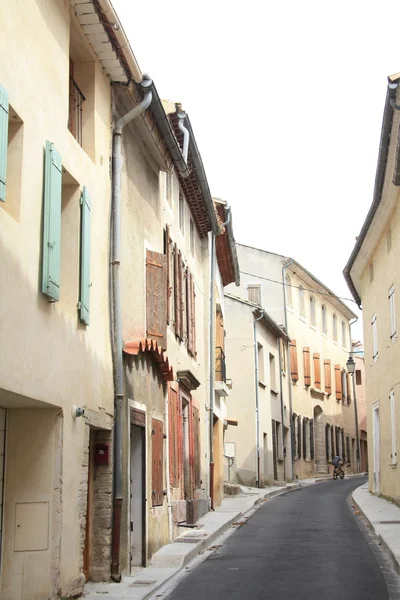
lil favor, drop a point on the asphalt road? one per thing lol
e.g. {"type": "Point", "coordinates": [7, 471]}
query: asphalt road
{"type": "Point", "coordinates": [304, 545]}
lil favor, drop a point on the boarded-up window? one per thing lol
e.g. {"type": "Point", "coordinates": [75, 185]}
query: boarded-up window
{"type": "Point", "coordinates": [254, 293]}
{"type": "Point", "coordinates": [328, 377]}
{"type": "Point", "coordinates": [157, 438]}
{"type": "Point", "coordinates": [156, 297]}
{"type": "Point", "coordinates": [317, 370]}
{"type": "Point", "coordinates": [338, 382]}
{"type": "Point", "coordinates": [307, 366]}
{"type": "Point", "coordinates": [293, 361]}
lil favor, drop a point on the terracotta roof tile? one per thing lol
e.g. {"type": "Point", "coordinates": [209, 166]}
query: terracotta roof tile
{"type": "Point", "coordinates": [135, 347]}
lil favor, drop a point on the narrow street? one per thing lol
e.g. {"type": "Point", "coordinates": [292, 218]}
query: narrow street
{"type": "Point", "coordinates": [304, 545]}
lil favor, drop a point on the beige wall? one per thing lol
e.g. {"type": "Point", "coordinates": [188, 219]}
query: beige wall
{"type": "Point", "coordinates": [381, 375]}
{"type": "Point", "coordinates": [46, 354]}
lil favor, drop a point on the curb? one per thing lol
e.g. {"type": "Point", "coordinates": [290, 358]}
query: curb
{"type": "Point", "coordinates": [379, 538]}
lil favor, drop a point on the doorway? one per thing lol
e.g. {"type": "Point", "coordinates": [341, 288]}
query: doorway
{"type": "Point", "coordinates": [376, 450]}
{"type": "Point", "coordinates": [320, 449]}
{"type": "Point", "coordinates": [137, 488]}
{"type": "Point", "coordinates": [88, 532]}
{"type": "Point", "coordinates": [274, 448]}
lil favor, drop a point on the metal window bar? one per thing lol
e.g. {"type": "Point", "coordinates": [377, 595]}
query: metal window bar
{"type": "Point", "coordinates": [220, 365]}
{"type": "Point", "coordinates": [76, 100]}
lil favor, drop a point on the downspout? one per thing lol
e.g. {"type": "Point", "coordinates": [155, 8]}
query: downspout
{"type": "Point", "coordinates": [288, 364]}
{"type": "Point", "coordinates": [282, 410]}
{"type": "Point", "coordinates": [257, 399]}
{"type": "Point", "coordinates": [181, 117]}
{"type": "Point", "coordinates": [358, 457]}
{"type": "Point", "coordinates": [212, 363]}
{"type": "Point", "coordinates": [117, 321]}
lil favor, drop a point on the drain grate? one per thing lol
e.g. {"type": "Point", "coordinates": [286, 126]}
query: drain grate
{"type": "Point", "coordinates": [389, 522]}
{"type": "Point", "coordinates": [144, 582]}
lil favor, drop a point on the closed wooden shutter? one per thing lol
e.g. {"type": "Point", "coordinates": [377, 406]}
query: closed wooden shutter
{"type": "Point", "coordinates": [307, 366]}
{"type": "Point", "coordinates": [327, 434]}
{"type": "Point", "coordinates": [338, 382]}
{"type": "Point", "coordinates": [189, 311]}
{"type": "Point", "coordinates": [293, 361]}
{"type": "Point", "coordinates": [4, 110]}
{"type": "Point", "coordinates": [52, 223]}
{"type": "Point", "coordinates": [304, 438]}
{"type": "Point", "coordinates": [254, 293]}
{"type": "Point", "coordinates": [168, 255]}
{"type": "Point", "coordinates": [299, 436]}
{"type": "Point", "coordinates": [312, 439]}
{"type": "Point", "coordinates": [294, 436]}
{"type": "Point", "coordinates": [317, 370]}
{"type": "Point", "coordinates": [177, 292]}
{"type": "Point", "coordinates": [337, 440]}
{"type": "Point", "coordinates": [181, 292]}
{"type": "Point", "coordinates": [328, 377]}
{"type": "Point", "coordinates": [85, 283]}
{"type": "Point", "coordinates": [157, 438]}
{"type": "Point", "coordinates": [349, 382]}
{"type": "Point", "coordinates": [332, 443]}
{"type": "Point", "coordinates": [156, 297]}
{"type": "Point", "coordinates": [197, 457]}
{"type": "Point", "coordinates": [173, 423]}
{"type": "Point", "coordinates": [343, 446]}
{"type": "Point", "coordinates": [193, 314]}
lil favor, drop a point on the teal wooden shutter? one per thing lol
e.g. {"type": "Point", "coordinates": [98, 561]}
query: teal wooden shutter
{"type": "Point", "coordinates": [84, 301]}
{"type": "Point", "coordinates": [52, 223]}
{"type": "Point", "coordinates": [3, 141]}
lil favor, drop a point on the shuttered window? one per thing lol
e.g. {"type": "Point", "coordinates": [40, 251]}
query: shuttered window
{"type": "Point", "coordinates": [173, 424]}
{"type": "Point", "coordinates": [342, 443]}
{"type": "Point", "coordinates": [293, 361]}
{"type": "Point", "coordinates": [157, 455]}
{"type": "Point", "coordinates": [328, 377]}
{"type": "Point", "coordinates": [168, 256]}
{"type": "Point", "coordinates": [304, 438]}
{"type": "Point", "coordinates": [332, 443]}
{"type": "Point", "coordinates": [185, 315]}
{"type": "Point", "coordinates": [254, 293]}
{"type": "Point", "coordinates": [338, 382]}
{"type": "Point", "coordinates": [181, 293]}
{"type": "Point", "coordinates": [176, 291]}
{"type": "Point", "coordinates": [191, 314]}
{"type": "Point", "coordinates": [317, 370]}
{"type": "Point", "coordinates": [52, 223]}
{"type": "Point", "coordinates": [85, 283]}
{"type": "Point", "coordinates": [374, 337]}
{"type": "Point", "coordinates": [299, 436]}
{"type": "Point", "coordinates": [156, 297]}
{"type": "Point", "coordinates": [294, 436]}
{"type": "Point", "coordinates": [312, 439]}
{"type": "Point", "coordinates": [4, 110]}
{"type": "Point", "coordinates": [307, 366]}
{"type": "Point", "coordinates": [327, 437]}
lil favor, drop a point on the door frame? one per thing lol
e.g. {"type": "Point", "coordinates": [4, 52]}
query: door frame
{"type": "Point", "coordinates": [138, 419]}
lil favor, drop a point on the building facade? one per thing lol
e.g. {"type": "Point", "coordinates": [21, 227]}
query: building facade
{"type": "Point", "coordinates": [322, 416]}
{"type": "Point", "coordinates": [373, 275]}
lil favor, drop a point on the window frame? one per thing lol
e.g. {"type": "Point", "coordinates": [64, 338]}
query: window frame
{"type": "Point", "coordinates": [334, 328]}
{"type": "Point", "coordinates": [324, 319]}
{"type": "Point", "coordinates": [313, 312]}
{"type": "Point", "coordinates": [302, 304]}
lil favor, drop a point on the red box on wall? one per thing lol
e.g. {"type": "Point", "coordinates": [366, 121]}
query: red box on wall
{"type": "Point", "coordinates": [101, 454]}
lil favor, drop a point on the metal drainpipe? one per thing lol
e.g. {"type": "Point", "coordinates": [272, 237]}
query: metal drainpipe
{"type": "Point", "coordinates": [117, 321]}
{"type": "Point", "coordinates": [288, 364]}
{"type": "Point", "coordinates": [282, 410]}
{"type": "Point", "coordinates": [181, 117]}
{"type": "Point", "coordinates": [257, 399]}
{"type": "Point", "coordinates": [358, 457]}
{"type": "Point", "coordinates": [212, 357]}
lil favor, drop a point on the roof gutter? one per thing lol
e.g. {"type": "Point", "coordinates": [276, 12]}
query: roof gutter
{"type": "Point", "coordinates": [232, 243]}
{"type": "Point", "coordinates": [202, 180]}
{"type": "Point", "coordinates": [111, 16]}
{"type": "Point", "coordinates": [379, 181]}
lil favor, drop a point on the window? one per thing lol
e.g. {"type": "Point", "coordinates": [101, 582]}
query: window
{"type": "Point", "coordinates": [343, 334]}
{"type": "Point", "coordinates": [313, 317]}
{"type": "Point", "coordinates": [254, 293]}
{"type": "Point", "coordinates": [371, 272]}
{"type": "Point", "coordinates": [182, 213]}
{"type": "Point", "coordinates": [358, 377]}
{"type": "Point", "coordinates": [389, 240]}
{"type": "Point", "coordinates": [374, 338]}
{"type": "Point", "coordinates": [317, 370]}
{"type": "Point", "coordinates": [191, 235]}
{"type": "Point", "coordinates": [288, 287]}
{"type": "Point", "coordinates": [156, 297]}
{"type": "Point", "coordinates": [294, 371]}
{"type": "Point", "coordinates": [301, 302]}
{"type": "Point", "coordinates": [272, 372]}
{"type": "Point", "coordinates": [393, 425]}
{"type": "Point", "coordinates": [11, 138]}
{"type": "Point", "coordinates": [338, 382]}
{"type": "Point", "coordinates": [307, 366]}
{"type": "Point", "coordinates": [324, 319]}
{"type": "Point", "coordinates": [75, 106]}
{"type": "Point", "coordinates": [392, 309]}
{"type": "Point", "coordinates": [261, 371]}
{"type": "Point", "coordinates": [328, 380]}
{"type": "Point", "coordinates": [169, 187]}
{"type": "Point", "coordinates": [334, 327]}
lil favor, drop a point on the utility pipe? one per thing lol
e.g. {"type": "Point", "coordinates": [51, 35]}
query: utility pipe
{"type": "Point", "coordinates": [212, 362]}
{"type": "Point", "coordinates": [291, 261]}
{"type": "Point", "coordinates": [358, 458]}
{"type": "Point", "coordinates": [181, 117]}
{"type": "Point", "coordinates": [257, 399]}
{"type": "Point", "coordinates": [282, 410]}
{"type": "Point", "coordinates": [117, 320]}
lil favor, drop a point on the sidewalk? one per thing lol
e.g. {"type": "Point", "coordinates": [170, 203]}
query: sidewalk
{"type": "Point", "coordinates": [383, 519]}
{"type": "Point", "coordinates": [173, 557]}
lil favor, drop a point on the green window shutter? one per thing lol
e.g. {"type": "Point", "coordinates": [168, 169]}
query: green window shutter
{"type": "Point", "coordinates": [52, 223]}
{"type": "Point", "coordinates": [84, 301]}
{"type": "Point", "coordinates": [3, 141]}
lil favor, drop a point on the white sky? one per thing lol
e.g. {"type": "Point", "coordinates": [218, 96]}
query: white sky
{"type": "Point", "coordinates": [286, 102]}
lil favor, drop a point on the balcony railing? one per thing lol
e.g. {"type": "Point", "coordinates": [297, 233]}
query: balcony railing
{"type": "Point", "coordinates": [220, 365]}
{"type": "Point", "coordinates": [76, 100]}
